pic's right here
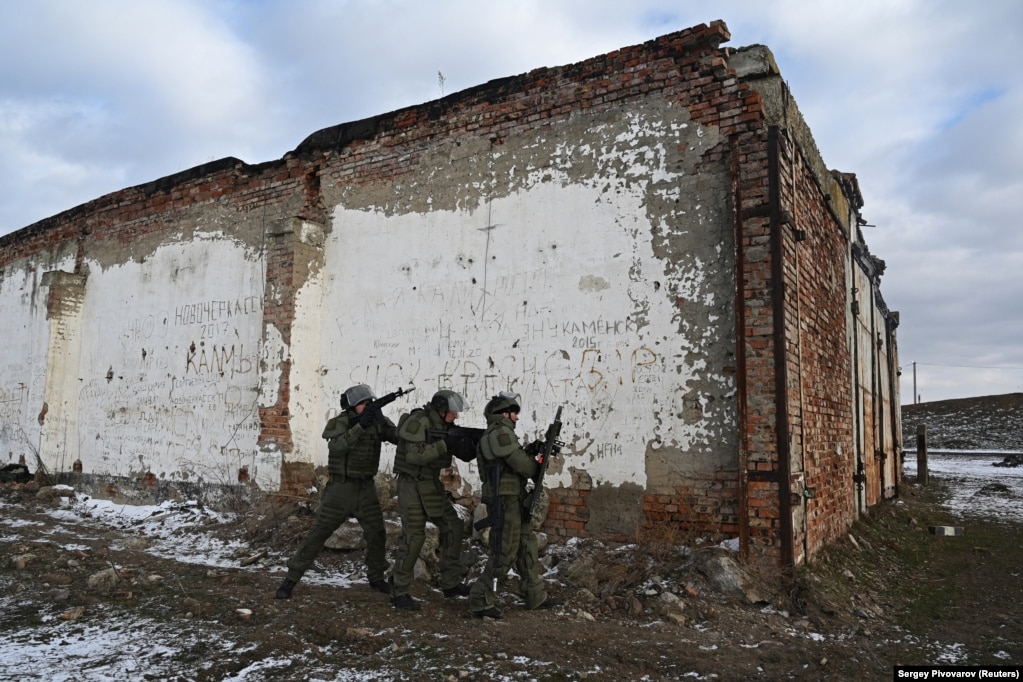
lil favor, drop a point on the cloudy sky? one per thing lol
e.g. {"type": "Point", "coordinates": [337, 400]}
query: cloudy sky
{"type": "Point", "coordinates": [922, 99]}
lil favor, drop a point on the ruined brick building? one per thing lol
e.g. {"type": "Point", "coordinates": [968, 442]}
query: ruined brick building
{"type": "Point", "coordinates": [649, 238]}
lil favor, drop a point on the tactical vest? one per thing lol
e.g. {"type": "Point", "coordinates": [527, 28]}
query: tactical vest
{"type": "Point", "coordinates": [412, 430]}
{"type": "Point", "coordinates": [497, 446]}
{"type": "Point", "coordinates": [358, 460]}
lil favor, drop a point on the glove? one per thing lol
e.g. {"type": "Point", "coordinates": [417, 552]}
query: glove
{"type": "Point", "coordinates": [368, 416]}
{"type": "Point", "coordinates": [534, 448]}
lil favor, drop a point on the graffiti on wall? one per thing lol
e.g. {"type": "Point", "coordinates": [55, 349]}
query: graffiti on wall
{"type": "Point", "coordinates": [582, 325]}
{"type": "Point", "coordinates": [176, 394]}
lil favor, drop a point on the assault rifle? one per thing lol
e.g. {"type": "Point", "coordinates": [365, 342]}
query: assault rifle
{"type": "Point", "coordinates": [461, 441]}
{"type": "Point", "coordinates": [550, 447]}
{"type": "Point", "coordinates": [375, 408]}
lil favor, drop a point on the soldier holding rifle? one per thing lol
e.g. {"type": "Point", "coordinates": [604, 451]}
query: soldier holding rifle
{"type": "Point", "coordinates": [353, 439]}
{"type": "Point", "coordinates": [505, 468]}
{"type": "Point", "coordinates": [426, 445]}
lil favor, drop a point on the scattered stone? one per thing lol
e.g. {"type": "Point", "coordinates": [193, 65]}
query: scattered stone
{"type": "Point", "coordinates": [581, 572]}
{"type": "Point", "coordinates": [249, 560]}
{"type": "Point", "coordinates": [671, 599]}
{"type": "Point", "coordinates": [347, 538]}
{"type": "Point", "coordinates": [73, 614]}
{"type": "Point", "coordinates": [54, 493]}
{"type": "Point", "coordinates": [192, 607]}
{"type": "Point", "coordinates": [104, 580]}
{"type": "Point", "coordinates": [244, 614]}
{"type": "Point", "coordinates": [135, 545]}
{"type": "Point", "coordinates": [677, 618]}
{"type": "Point", "coordinates": [728, 576]}
{"type": "Point", "coordinates": [22, 561]}
{"type": "Point", "coordinates": [359, 632]}
{"type": "Point", "coordinates": [56, 579]}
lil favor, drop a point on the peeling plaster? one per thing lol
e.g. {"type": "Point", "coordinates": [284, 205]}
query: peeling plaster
{"type": "Point", "coordinates": [274, 353]}
{"type": "Point", "coordinates": [165, 370]}
{"type": "Point", "coordinates": [576, 266]}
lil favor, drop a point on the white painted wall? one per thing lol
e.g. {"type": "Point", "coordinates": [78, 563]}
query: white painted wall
{"type": "Point", "coordinates": [23, 361]}
{"type": "Point", "coordinates": [586, 267]}
{"type": "Point", "coordinates": [169, 369]}
{"type": "Point", "coordinates": [553, 300]}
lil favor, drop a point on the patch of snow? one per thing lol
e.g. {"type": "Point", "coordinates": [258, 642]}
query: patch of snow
{"type": "Point", "coordinates": [976, 486]}
{"type": "Point", "coordinates": [69, 650]}
{"type": "Point", "coordinates": [730, 544]}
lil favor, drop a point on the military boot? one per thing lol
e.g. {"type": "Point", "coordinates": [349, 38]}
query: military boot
{"type": "Point", "coordinates": [405, 602]}
{"type": "Point", "coordinates": [284, 591]}
{"type": "Point", "coordinates": [459, 590]}
{"type": "Point", "coordinates": [488, 613]}
{"type": "Point", "coordinates": [549, 603]}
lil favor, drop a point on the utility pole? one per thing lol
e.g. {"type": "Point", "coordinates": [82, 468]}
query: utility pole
{"type": "Point", "coordinates": [916, 396]}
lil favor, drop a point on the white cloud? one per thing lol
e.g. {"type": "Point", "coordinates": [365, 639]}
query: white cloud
{"type": "Point", "coordinates": [919, 98]}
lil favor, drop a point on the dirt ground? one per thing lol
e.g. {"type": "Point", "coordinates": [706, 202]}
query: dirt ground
{"type": "Point", "coordinates": [891, 592]}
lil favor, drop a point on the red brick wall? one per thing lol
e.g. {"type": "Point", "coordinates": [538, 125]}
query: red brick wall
{"type": "Point", "coordinates": [820, 363]}
{"type": "Point", "coordinates": [687, 68]}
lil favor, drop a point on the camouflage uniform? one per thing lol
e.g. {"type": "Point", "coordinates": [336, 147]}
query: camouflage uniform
{"type": "Point", "coordinates": [418, 461]}
{"type": "Point", "coordinates": [353, 461]}
{"type": "Point", "coordinates": [500, 449]}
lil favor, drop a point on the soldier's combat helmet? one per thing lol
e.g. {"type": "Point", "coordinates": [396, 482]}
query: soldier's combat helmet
{"type": "Point", "coordinates": [505, 401]}
{"type": "Point", "coordinates": [355, 395]}
{"type": "Point", "coordinates": [446, 400]}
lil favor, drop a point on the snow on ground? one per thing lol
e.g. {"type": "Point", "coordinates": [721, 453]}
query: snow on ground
{"type": "Point", "coordinates": [976, 486]}
{"type": "Point", "coordinates": [64, 650]}
{"type": "Point", "coordinates": [174, 530]}
{"type": "Point", "coordinates": [105, 649]}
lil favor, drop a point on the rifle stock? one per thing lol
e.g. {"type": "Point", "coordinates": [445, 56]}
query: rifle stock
{"type": "Point", "coordinates": [461, 441]}
{"type": "Point", "coordinates": [550, 446]}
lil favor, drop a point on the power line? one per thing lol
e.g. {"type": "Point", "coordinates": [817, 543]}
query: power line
{"type": "Point", "coordinates": [939, 364]}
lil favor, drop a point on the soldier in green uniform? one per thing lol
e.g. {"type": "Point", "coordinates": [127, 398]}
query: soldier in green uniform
{"type": "Point", "coordinates": [505, 467]}
{"type": "Point", "coordinates": [353, 439]}
{"type": "Point", "coordinates": [418, 460]}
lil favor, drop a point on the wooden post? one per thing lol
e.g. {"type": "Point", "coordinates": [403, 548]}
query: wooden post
{"type": "Point", "coordinates": [921, 454]}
